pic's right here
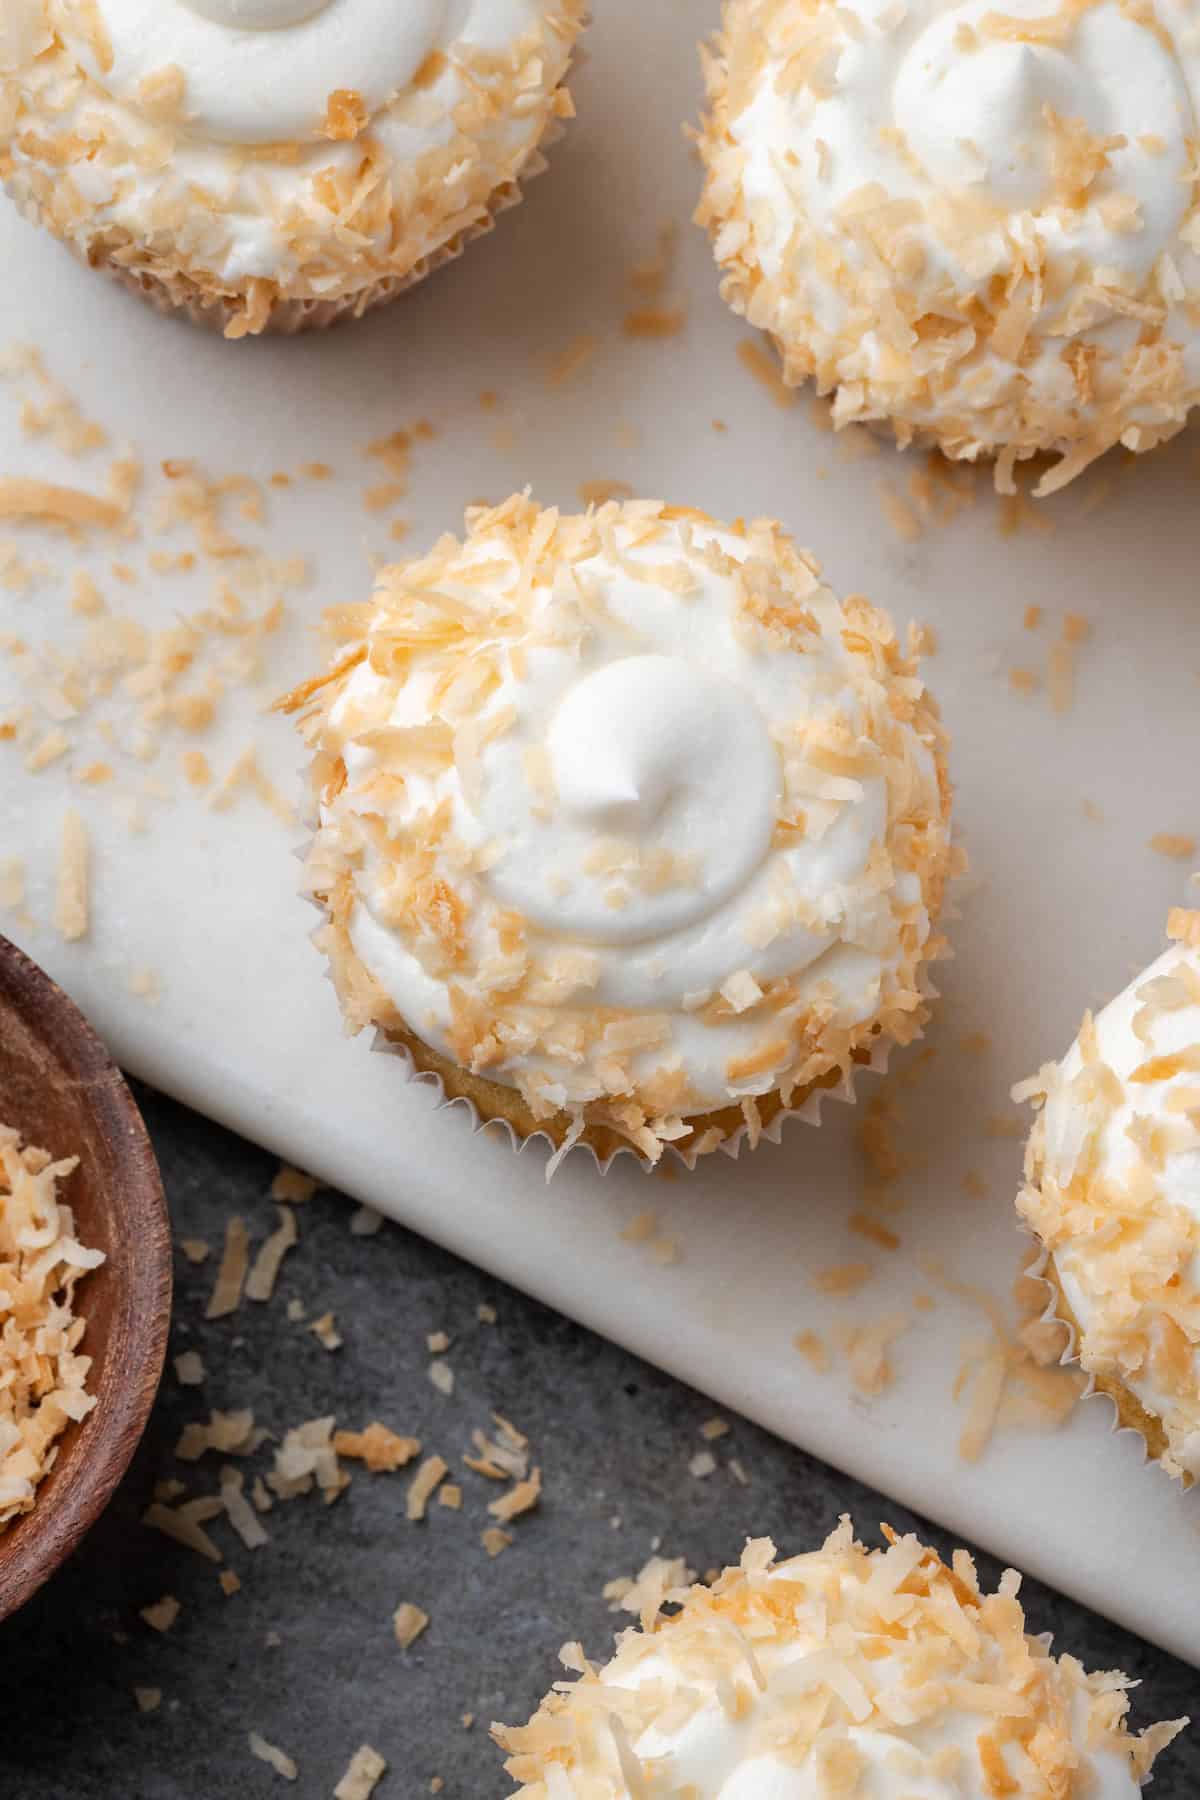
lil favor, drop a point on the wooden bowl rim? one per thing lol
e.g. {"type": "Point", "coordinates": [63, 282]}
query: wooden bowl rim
{"type": "Point", "coordinates": [61, 1517]}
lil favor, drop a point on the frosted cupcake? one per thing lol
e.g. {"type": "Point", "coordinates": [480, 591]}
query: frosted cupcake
{"type": "Point", "coordinates": [630, 832]}
{"type": "Point", "coordinates": [841, 1675]}
{"type": "Point", "coordinates": [977, 226]}
{"type": "Point", "coordinates": [1112, 1189]}
{"type": "Point", "coordinates": [275, 164]}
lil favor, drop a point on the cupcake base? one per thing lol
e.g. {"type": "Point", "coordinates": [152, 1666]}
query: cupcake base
{"type": "Point", "coordinates": [726, 1128]}
{"type": "Point", "coordinates": [181, 296]}
{"type": "Point", "coordinates": [1131, 1415]}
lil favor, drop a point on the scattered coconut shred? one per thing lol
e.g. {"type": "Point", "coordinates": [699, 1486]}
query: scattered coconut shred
{"type": "Point", "coordinates": [42, 1377]}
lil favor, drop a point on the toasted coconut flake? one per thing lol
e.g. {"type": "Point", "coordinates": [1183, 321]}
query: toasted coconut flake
{"type": "Point", "coordinates": [810, 1346]}
{"type": "Point", "coordinates": [273, 1756]}
{"type": "Point", "coordinates": [50, 505]}
{"type": "Point", "coordinates": [242, 1515]}
{"type": "Point", "coordinates": [72, 900]}
{"type": "Point", "coordinates": [292, 1186]}
{"type": "Point", "coordinates": [520, 1498]}
{"type": "Point", "coordinates": [377, 1447]}
{"type": "Point", "coordinates": [364, 1773]}
{"type": "Point", "coordinates": [326, 1332]}
{"type": "Point", "coordinates": [442, 1376]}
{"type": "Point", "coordinates": [162, 1614]}
{"type": "Point", "coordinates": [260, 1283]}
{"type": "Point", "coordinates": [42, 1375]}
{"type": "Point", "coordinates": [765, 371]}
{"type": "Point", "coordinates": [235, 1260]}
{"type": "Point", "coordinates": [1178, 845]}
{"type": "Point", "coordinates": [408, 1622]}
{"type": "Point", "coordinates": [183, 1525]}
{"type": "Point", "coordinates": [423, 1483]}
{"type": "Point", "coordinates": [189, 1369]}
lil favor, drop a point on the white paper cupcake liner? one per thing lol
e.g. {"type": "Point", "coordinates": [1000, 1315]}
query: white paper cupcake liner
{"type": "Point", "coordinates": [808, 1111]}
{"type": "Point", "coordinates": [1038, 1271]}
{"type": "Point", "coordinates": [178, 296]}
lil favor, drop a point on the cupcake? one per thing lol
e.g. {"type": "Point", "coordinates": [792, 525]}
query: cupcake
{"type": "Point", "coordinates": [1112, 1190]}
{"type": "Point", "coordinates": [977, 227]}
{"type": "Point", "coordinates": [629, 831]}
{"type": "Point", "coordinates": [275, 164]}
{"type": "Point", "coordinates": [846, 1674]}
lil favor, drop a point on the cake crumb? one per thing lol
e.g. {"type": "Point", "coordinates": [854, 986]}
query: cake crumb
{"type": "Point", "coordinates": [451, 1495]}
{"type": "Point", "coordinates": [714, 1428]}
{"type": "Point", "coordinates": [148, 1699]}
{"type": "Point", "coordinates": [365, 1222]}
{"type": "Point", "coordinates": [486, 1314]}
{"type": "Point", "coordinates": [701, 1464]}
{"type": "Point", "coordinates": [494, 1540]}
{"type": "Point", "coordinates": [442, 1376]}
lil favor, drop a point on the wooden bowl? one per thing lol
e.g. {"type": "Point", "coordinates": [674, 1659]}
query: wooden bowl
{"type": "Point", "coordinates": [62, 1091]}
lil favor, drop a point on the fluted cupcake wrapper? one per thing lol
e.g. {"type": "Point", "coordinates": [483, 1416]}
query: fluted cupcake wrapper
{"type": "Point", "coordinates": [1129, 1416]}
{"type": "Point", "coordinates": [179, 296]}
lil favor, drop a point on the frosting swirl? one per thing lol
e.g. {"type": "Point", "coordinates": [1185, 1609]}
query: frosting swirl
{"type": "Point", "coordinates": [257, 150]}
{"type": "Point", "coordinates": [630, 826]}
{"type": "Point", "coordinates": [1113, 1190]}
{"type": "Point", "coordinates": [262, 71]}
{"type": "Point", "coordinates": [841, 1673]}
{"type": "Point", "coordinates": [980, 225]}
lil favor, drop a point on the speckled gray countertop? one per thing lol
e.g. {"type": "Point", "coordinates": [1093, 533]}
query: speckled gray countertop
{"type": "Point", "coordinates": [304, 1652]}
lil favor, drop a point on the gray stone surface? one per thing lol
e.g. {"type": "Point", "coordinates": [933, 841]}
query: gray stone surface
{"type": "Point", "coordinates": [613, 1438]}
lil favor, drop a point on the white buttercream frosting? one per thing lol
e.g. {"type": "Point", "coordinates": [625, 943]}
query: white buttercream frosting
{"type": "Point", "coordinates": [978, 223]}
{"type": "Point", "coordinates": [1113, 1189]}
{"type": "Point", "coordinates": [841, 1675]}
{"type": "Point", "coordinates": [662, 820]}
{"type": "Point", "coordinates": [318, 145]}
